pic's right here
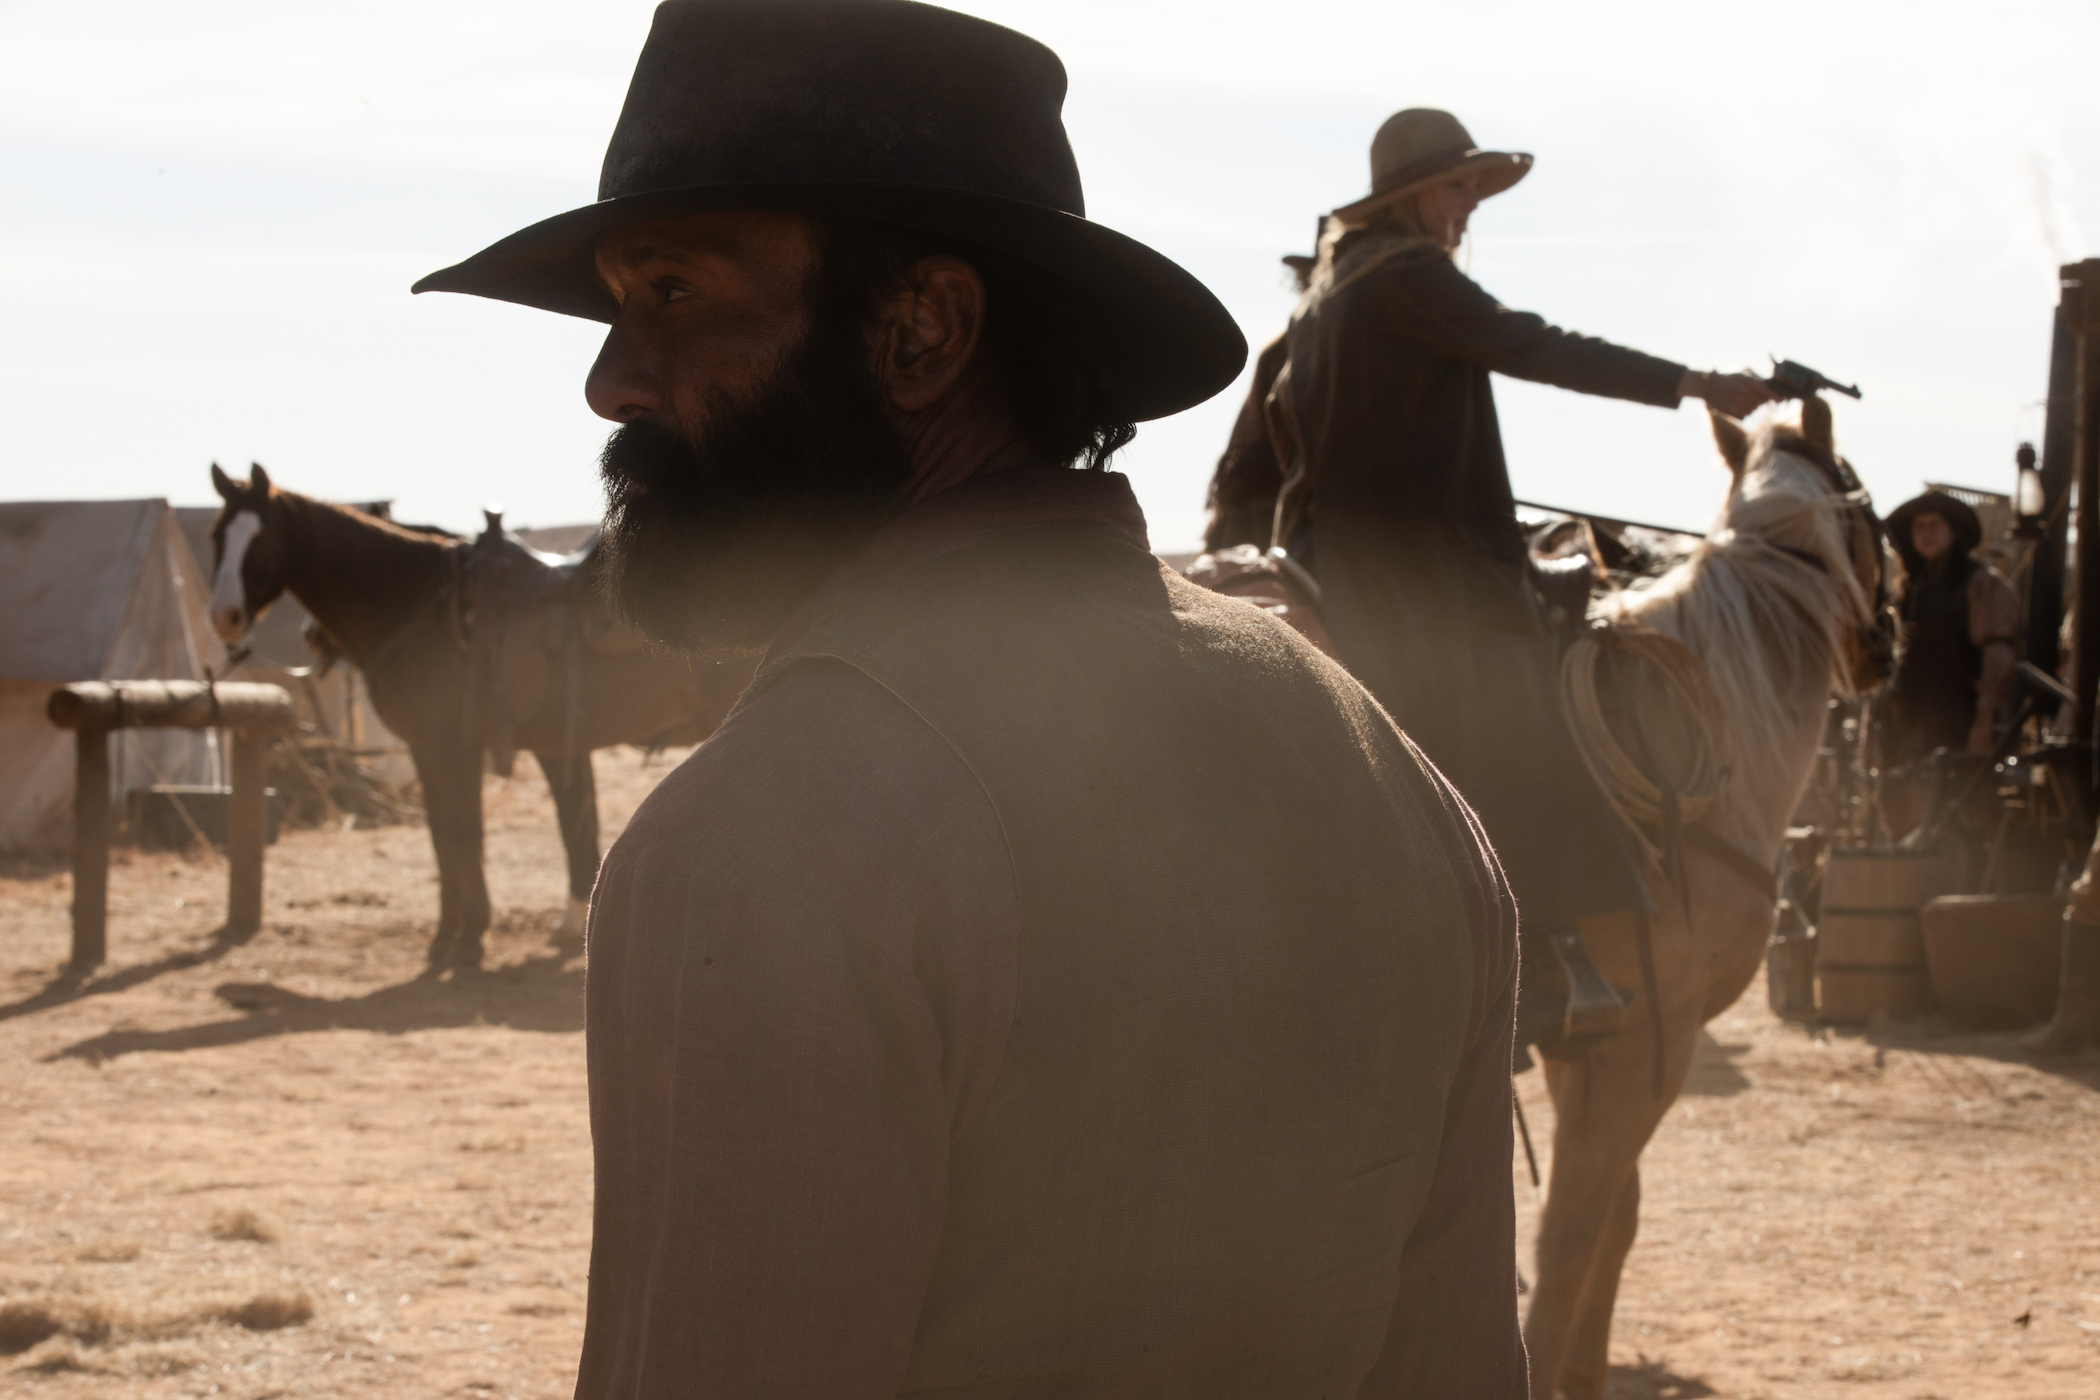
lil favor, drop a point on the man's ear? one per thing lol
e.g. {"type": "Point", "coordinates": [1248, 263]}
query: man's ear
{"type": "Point", "coordinates": [1731, 439]}
{"type": "Point", "coordinates": [929, 333]}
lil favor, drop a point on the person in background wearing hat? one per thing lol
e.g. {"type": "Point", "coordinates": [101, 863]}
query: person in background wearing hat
{"type": "Point", "coordinates": [1956, 653]}
{"type": "Point", "coordinates": [1052, 978]}
{"type": "Point", "coordinates": [1953, 679]}
{"type": "Point", "coordinates": [1409, 525]}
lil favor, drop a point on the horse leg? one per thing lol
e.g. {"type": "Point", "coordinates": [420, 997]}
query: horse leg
{"type": "Point", "coordinates": [1587, 1361]}
{"type": "Point", "coordinates": [1605, 1110]}
{"type": "Point", "coordinates": [452, 802]}
{"type": "Point", "coordinates": [576, 807]}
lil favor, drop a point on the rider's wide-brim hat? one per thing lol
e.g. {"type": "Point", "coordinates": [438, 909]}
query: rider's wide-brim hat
{"type": "Point", "coordinates": [1422, 145]}
{"type": "Point", "coordinates": [879, 110]}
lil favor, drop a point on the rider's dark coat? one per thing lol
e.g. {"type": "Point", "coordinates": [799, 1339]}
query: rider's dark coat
{"type": "Point", "coordinates": [1412, 533]}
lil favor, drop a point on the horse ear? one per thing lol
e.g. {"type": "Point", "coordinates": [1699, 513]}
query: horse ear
{"type": "Point", "coordinates": [1815, 423]}
{"type": "Point", "coordinates": [222, 483]}
{"type": "Point", "coordinates": [258, 479]}
{"type": "Point", "coordinates": [1731, 439]}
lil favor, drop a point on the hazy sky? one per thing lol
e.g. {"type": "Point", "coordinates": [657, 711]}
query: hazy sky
{"type": "Point", "coordinates": [213, 211]}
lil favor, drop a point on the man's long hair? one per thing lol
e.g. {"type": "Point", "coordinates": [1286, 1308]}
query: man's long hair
{"type": "Point", "coordinates": [1037, 334]}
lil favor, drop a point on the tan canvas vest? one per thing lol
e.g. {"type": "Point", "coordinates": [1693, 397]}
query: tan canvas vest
{"type": "Point", "coordinates": [1245, 973]}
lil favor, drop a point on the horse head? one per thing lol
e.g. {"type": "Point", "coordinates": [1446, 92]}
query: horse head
{"type": "Point", "coordinates": [249, 568]}
{"type": "Point", "coordinates": [1794, 494]}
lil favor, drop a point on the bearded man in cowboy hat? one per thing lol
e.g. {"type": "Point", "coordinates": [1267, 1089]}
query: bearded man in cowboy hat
{"type": "Point", "coordinates": [1052, 978]}
{"type": "Point", "coordinates": [1401, 509]}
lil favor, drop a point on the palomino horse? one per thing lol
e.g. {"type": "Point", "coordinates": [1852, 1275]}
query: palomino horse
{"type": "Point", "coordinates": [458, 669]}
{"type": "Point", "coordinates": [1779, 603]}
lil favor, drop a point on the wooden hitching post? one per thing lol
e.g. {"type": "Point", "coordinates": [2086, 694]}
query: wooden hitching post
{"type": "Point", "coordinates": [95, 709]}
{"type": "Point", "coordinates": [91, 832]}
{"type": "Point", "coordinates": [245, 825]}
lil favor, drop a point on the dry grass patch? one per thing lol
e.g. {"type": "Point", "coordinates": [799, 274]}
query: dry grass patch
{"type": "Point", "coordinates": [57, 1359]}
{"type": "Point", "coordinates": [23, 1325]}
{"type": "Point", "coordinates": [110, 1252]}
{"type": "Point", "coordinates": [266, 1312]}
{"type": "Point", "coordinates": [241, 1225]}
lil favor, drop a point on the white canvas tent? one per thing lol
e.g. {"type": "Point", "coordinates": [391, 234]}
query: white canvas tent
{"type": "Point", "coordinates": [92, 590]}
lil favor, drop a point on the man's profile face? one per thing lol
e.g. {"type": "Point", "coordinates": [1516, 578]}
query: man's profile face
{"type": "Point", "coordinates": [710, 304]}
{"type": "Point", "coordinates": [755, 449]}
{"type": "Point", "coordinates": [1931, 536]}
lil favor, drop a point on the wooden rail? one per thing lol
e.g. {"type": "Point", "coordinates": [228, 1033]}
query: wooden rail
{"type": "Point", "coordinates": [92, 709]}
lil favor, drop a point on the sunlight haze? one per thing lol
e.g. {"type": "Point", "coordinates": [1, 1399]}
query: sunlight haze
{"type": "Point", "coordinates": [216, 210]}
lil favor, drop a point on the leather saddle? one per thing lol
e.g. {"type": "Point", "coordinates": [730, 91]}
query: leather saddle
{"type": "Point", "coordinates": [517, 600]}
{"type": "Point", "coordinates": [1269, 579]}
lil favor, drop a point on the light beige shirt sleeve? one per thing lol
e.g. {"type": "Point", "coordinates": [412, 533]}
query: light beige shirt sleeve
{"type": "Point", "coordinates": [1994, 609]}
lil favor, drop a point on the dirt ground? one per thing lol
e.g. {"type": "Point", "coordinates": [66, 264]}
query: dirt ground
{"type": "Point", "coordinates": [291, 1167]}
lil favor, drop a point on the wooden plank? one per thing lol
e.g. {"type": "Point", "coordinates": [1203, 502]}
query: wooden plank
{"type": "Point", "coordinates": [168, 705]}
{"type": "Point", "coordinates": [2081, 304]}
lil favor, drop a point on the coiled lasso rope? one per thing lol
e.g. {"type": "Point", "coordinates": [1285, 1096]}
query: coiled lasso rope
{"type": "Point", "coordinates": [1656, 814]}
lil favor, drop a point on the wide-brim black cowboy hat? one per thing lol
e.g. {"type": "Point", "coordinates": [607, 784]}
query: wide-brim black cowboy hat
{"type": "Point", "coordinates": [880, 110]}
{"type": "Point", "coordinates": [1960, 516]}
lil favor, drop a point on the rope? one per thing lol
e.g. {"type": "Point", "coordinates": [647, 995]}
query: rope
{"type": "Point", "coordinates": [1640, 801]}
{"type": "Point", "coordinates": [1643, 803]}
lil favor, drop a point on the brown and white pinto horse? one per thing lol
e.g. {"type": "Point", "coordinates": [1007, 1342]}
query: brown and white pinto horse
{"type": "Point", "coordinates": [401, 606]}
{"type": "Point", "coordinates": [1780, 604]}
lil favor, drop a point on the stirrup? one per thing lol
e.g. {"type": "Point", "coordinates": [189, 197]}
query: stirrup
{"type": "Point", "coordinates": [1594, 1009]}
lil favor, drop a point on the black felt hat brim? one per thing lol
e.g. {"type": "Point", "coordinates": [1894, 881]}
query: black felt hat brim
{"type": "Point", "coordinates": [1167, 343]}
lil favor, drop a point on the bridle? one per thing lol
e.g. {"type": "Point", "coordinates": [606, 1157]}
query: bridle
{"type": "Point", "coordinates": [1862, 529]}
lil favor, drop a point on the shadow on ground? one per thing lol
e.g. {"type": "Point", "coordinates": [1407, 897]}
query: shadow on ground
{"type": "Point", "coordinates": [1713, 1073]}
{"type": "Point", "coordinates": [1936, 1035]}
{"type": "Point", "coordinates": [544, 993]}
{"type": "Point", "coordinates": [1653, 1380]}
{"type": "Point", "coordinates": [73, 984]}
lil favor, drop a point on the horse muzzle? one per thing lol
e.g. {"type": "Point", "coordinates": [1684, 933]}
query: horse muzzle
{"type": "Point", "coordinates": [230, 623]}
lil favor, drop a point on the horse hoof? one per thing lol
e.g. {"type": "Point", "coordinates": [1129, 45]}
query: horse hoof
{"type": "Point", "coordinates": [570, 929]}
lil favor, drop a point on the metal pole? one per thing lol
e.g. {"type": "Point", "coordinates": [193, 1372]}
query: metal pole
{"type": "Point", "coordinates": [2081, 295]}
{"type": "Point", "coordinates": [91, 832]}
{"type": "Point", "coordinates": [245, 829]}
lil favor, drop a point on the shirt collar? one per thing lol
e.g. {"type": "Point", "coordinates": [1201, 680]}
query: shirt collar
{"type": "Point", "coordinates": [971, 512]}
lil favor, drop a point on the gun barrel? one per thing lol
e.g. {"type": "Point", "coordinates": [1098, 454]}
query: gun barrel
{"type": "Point", "coordinates": [1792, 379]}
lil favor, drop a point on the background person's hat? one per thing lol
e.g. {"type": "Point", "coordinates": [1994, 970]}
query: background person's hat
{"type": "Point", "coordinates": [1423, 144]}
{"type": "Point", "coordinates": [881, 110]}
{"type": "Point", "coordinates": [1960, 516]}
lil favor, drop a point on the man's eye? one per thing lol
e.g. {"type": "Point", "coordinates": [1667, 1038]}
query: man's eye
{"type": "Point", "coordinates": [668, 291]}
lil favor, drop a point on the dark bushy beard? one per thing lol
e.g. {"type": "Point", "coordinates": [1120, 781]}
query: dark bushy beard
{"type": "Point", "coordinates": [711, 544]}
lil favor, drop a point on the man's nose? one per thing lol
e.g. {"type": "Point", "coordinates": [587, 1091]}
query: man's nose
{"type": "Point", "coordinates": [622, 384]}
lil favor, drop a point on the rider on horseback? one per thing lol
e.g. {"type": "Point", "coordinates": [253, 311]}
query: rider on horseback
{"type": "Point", "coordinates": [1398, 500]}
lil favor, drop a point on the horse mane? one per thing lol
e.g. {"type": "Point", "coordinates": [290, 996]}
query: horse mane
{"type": "Point", "coordinates": [1767, 598]}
